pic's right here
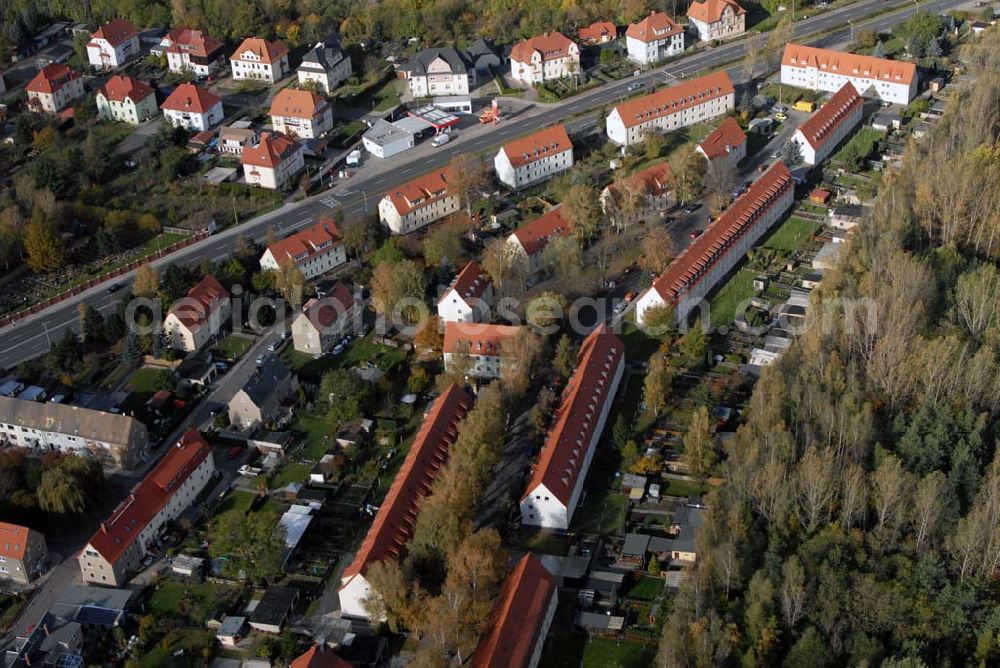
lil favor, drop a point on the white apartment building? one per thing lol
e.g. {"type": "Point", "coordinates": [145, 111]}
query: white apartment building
{"type": "Point", "coordinates": [828, 70]}
{"type": "Point", "coordinates": [482, 348]}
{"type": "Point", "coordinates": [324, 322]}
{"type": "Point", "coordinates": [113, 44]}
{"type": "Point", "coordinates": [273, 162]}
{"type": "Point", "coordinates": [126, 100]}
{"type": "Point", "coordinates": [53, 88]}
{"type": "Point", "coordinates": [419, 202]}
{"type": "Point", "coordinates": [693, 274]}
{"type": "Point", "coordinates": [132, 531]}
{"type": "Point", "coordinates": [655, 38]}
{"type": "Point", "coordinates": [440, 72]}
{"type": "Point", "coordinates": [192, 51]}
{"type": "Point", "coordinates": [260, 60]}
{"type": "Point", "coordinates": [316, 250]}
{"type": "Point", "coordinates": [535, 158]}
{"type": "Point", "coordinates": [717, 19]}
{"type": "Point", "coordinates": [325, 66]}
{"type": "Point", "coordinates": [554, 489]}
{"type": "Point", "coordinates": [727, 143]}
{"type": "Point", "coordinates": [548, 57]}
{"type": "Point", "coordinates": [469, 297]}
{"type": "Point", "coordinates": [653, 185]}
{"type": "Point", "coordinates": [530, 240]}
{"type": "Point", "coordinates": [689, 102]}
{"type": "Point", "coordinates": [831, 124]}
{"type": "Point", "coordinates": [195, 319]}
{"type": "Point", "coordinates": [301, 114]}
{"type": "Point", "coordinates": [192, 108]}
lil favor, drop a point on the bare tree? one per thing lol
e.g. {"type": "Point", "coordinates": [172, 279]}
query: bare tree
{"type": "Point", "coordinates": [929, 508]}
{"type": "Point", "coordinates": [816, 489]}
{"type": "Point", "coordinates": [467, 174]}
{"type": "Point", "coordinates": [793, 591]}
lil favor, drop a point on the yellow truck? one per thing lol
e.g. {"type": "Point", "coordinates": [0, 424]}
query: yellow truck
{"type": "Point", "coordinates": [804, 105]}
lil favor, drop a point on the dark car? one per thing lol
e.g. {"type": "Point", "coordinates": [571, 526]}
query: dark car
{"type": "Point", "coordinates": [695, 234]}
{"type": "Point", "coordinates": [692, 207]}
{"type": "Point", "coordinates": [635, 86]}
{"type": "Point", "coordinates": [112, 289]}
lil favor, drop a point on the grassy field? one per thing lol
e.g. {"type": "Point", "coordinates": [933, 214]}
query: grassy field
{"type": "Point", "coordinates": [147, 380]}
{"type": "Point", "coordinates": [603, 512]}
{"type": "Point", "coordinates": [232, 347]}
{"type": "Point", "coordinates": [357, 352]}
{"type": "Point", "coordinates": [738, 289]}
{"type": "Point", "coordinates": [190, 643]}
{"type": "Point", "coordinates": [316, 432]}
{"type": "Point", "coordinates": [291, 473]}
{"type": "Point", "coordinates": [646, 588]}
{"type": "Point", "coordinates": [791, 234]}
{"type": "Point", "coordinates": [543, 542]}
{"type": "Point", "coordinates": [606, 653]}
{"type": "Point", "coordinates": [684, 488]}
{"type": "Point", "coordinates": [195, 602]}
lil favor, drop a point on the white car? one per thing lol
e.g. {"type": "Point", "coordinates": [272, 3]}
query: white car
{"type": "Point", "coordinates": [337, 349]}
{"type": "Point", "coordinates": [621, 307]}
{"type": "Point", "coordinates": [441, 139]}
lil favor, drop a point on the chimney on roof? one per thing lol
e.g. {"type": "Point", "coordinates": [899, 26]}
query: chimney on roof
{"type": "Point", "coordinates": [45, 627]}
{"type": "Point", "coordinates": [104, 527]}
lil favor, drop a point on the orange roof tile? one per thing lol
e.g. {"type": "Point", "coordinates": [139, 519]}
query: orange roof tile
{"type": "Point", "coordinates": [691, 265]}
{"type": "Point", "coordinates": [598, 31]}
{"type": "Point", "coordinates": [518, 616]}
{"type": "Point", "coordinates": [654, 179]}
{"type": "Point", "coordinates": [268, 52]}
{"type": "Point", "coordinates": [13, 540]}
{"type": "Point", "coordinates": [535, 236]}
{"type": "Point", "coordinates": [477, 338]}
{"type": "Point", "coordinates": [116, 31]}
{"type": "Point", "coordinates": [272, 149]}
{"type": "Point", "coordinates": [201, 301]}
{"type": "Point", "coordinates": [722, 139]}
{"type": "Point", "coordinates": [51, 78]}
{"type": "Point", "coordinates": [654, 27]}
{"type": "Point", "coordinates": [541, 144]}
{"type": "Point", "coordinates": [849, 64]}
{"type": "Point", "coordinates": [710, 11]}
{"type": "Point", "coordinates": [551, 45]}
{"type": "Point", "coordinates": [293, 103]}
{"type": "Point", "coordinates": [150, 495]}
{"type": "Point", "coordinates": [393, 525]}
{"type": "Point", "coordinates": [119, 87]}
{"type": "Point", "coordinates": [324, 312]}
{"type": "Point", "coordinates": [318, 656]}
{"type": "Point", "coordinates": [188, 97]}
{"type": "Point", "coordinates": [420, 192]}
{"type": "Point", "coordinates": [319, 238]}
{"type": "Point", "coordinates": [192, 42]}
{"type": "Point", "coordinates": [673, 99]}
{"type": "Point", "coordinates": [560, 462]}
{"type": "Point", "coordinates": [470, 283]}
{"type": "Point", "coordinates": [819, 127]}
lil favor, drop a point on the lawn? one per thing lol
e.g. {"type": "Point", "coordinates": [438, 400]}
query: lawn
{"type": "Point", "coordinates": [603, 512]}
{"type": "Point", "coordinates": [148, 380]}
{"type": "Point", "coordinates": [358, 352]}
{"type": "Point", "coordinates": [179, 649]}
{"type": "Point", "coordinates": [791, 234]}
{"type": "Point", "coordinates": [607, 653]}
{"type": "Point", "coordinates": [291, 473]}
{"type": "Point", "coordinates": [544, 542]}
{"type": "Point", "coordinates": [316, 430]}
{"type": "Point", "coordinates": [646, 589]}
{"type": "Point", "coordinates": [232, 347]}
{"type": "Point", "coordinates": [728, 298]}
{"type": "Point", "coordinates": [196, 602]}
{"type": "Point", "coordinates": [683, 488]}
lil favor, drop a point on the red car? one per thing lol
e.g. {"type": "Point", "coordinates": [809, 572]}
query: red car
{"type": "Point", "coordinates": [695, 234]}
{"type": "Point", "coordinates": [234, 452]}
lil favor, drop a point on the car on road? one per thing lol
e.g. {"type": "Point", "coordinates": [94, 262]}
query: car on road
{"type": "Point", "coordinates": [635, 86]}
{"type": "Point", "coordinates": [695, 234]}
{"type": "Point", "coordinates": [780, 108]}
{"type": "Point", "coordinates": [692, 207]}
{"type": "Point", "coordinates": [112, 289]}
{"type": "Point", "coordinates": [775, 155]}
{"type": "Point", "coordinates": [781, 116]}
{"type": "Point", "coordinates": [621, 306]}
{"type": "Point", "coordinates": [260, 359]}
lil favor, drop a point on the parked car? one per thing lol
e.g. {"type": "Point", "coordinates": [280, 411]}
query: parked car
{"type": "Point", "coordinates": [234, 452]}
{"type": "Point", "coordinates": [635, 86]}
{"type": "Point", "coordinates": [441, 139]}
{"type": "Point", "coordinates": [780, 108]}
{"type": "Point", "coordinates": [695, 234]}
{"type": "Point", "coordinates": [781, 116]}
{"type": "Point", "coordinates": [339, 348]}
{"type": "Point", "coordinates": [692, 207]}
{"type": "Point", "coordinates": [621, 307]}
{"type": "Point", "coordinates": [629, 296]}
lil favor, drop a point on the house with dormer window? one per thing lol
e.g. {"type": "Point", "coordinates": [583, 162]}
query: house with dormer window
{"type": "Point", "coordinates": [530, 240]}
{"type": "Point", "coordinates": [481, 350]}
{"type": "Point", "coordinates": [316, 250]}
{"type": "Point", "coordinates": [828, 70]}
{"type": "Point", "coordinates": [544, 58]}
{"type": "Point", "coordinates": [655, 38]}
{"type": "Point", "coordinates": [113, 44]}
{"type": "Point", "coordinates": [419, 202]}
{"type": "Point", "coordinates": [535, 158]}
{"type": "Point", "coordinates": [260, 60]}
{"type": "Point", "coordinates": [717, 19]}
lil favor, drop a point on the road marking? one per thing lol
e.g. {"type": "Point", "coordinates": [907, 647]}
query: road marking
{"type": "Point", "coordinates": [331, 201]}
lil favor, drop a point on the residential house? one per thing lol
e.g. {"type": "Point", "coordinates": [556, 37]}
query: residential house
{"type": "Point", "coordinates": [118, 547]}
{"type": "Point", "coordinates": [393, 524]}
{"type": "Point", "coordinates": [886, 121]}
{"type": "Point", "coordinates": [522, 615]}
{"type": "Point", "coordinates": [126, 100]}
{"type": "Point", "coordinates": [259, 400]}
{"type": "Point", "coordinates": [642, 197]}
{"type": "Point", "coordinates": [22, 553]}
{"type": "Point", "coordinates": [828, 70]}
{"type": "Point", "coordinates": [193, 51]}
{"type": "Point", "coordinates": [324, 322]}
{"type": "Point", "coordinates": [316, 250]}
{"type": "Point", "coordinates": [481, 350]}
{"type": "Point", "coordinates": [325, 66]}
{"type": "Point", "coordinates": [53, 88]}
{"type": "Point", "coordinates": [192, 108]}
{"type": "Point", "coordinates": [273, 162]}
{"type": "Point", "coordinates": [196, 318]}
{"type": "Point", "coordinates": [535, 158]}
{"type": "Point", "coordinates": [197, 370]}
{"type": "Point", "coordinates": [414, 204]}
{"type": "Point", "coordinates": [548, 57]}
{"type": "Point", "coordinates": [684, 527]}
{"type": "Point", "coordinates": [688, 103]}
{"type": "Point", "coordinates": [113, 44]}
{"type": "Point", "coordinates": [845, 217]}
{"type": "Point", "coordinates": [530, 240]}
{"type": "Point", "coordinates": [553, 492]}
{"type": "Point", "coordinates": [301, 114]}
{"type": "Point", "coordinates": [485, 57]}
{"type": "Point", "coordinates": [468, 298]}
{"type": "Point", "coordinates": [257, 59]}
{"type": "Point", "coordinates": [231, 631]}
{"type": "Point", "coordinates": [726, 143]}
{"type": "Point", "coordinates": [598, 32]}
{"type": "Point", "coordinates": [117, 441]}
{"type": "Point", "coordinates": [822, 132]}
{"type": "Point", "coordinates": [693, 274]}
{"type": "Point", "coordinates": [440, 71]}
{"type": "Point", "coordinates": [236, 137]}
{"type": "Point", "coordinates": [655, 38]}
{"type": "Point", "coordinates": [319, 656]}
{"type": "Point", "coordinates": [273, 609]}
{"type": "Point", "coordinates": [717, 19]}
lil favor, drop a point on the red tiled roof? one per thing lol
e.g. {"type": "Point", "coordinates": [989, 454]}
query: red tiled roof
{"type": "Point", "coordinates": [689, 267]}
{"type": "Point", "coordinates": [420, 192]}
{"type": "Point", "coordinates": [541, 144]}
{"type": "Point", "coordinates": [655, 180]}
{"type": "Point", "coordinates": [318, 656]}
{"type": "Point", "coordinates": [267, 51]}
{"type": "Point", "coordinates": [192, 42]}
{"type": "Point", "coordinates": [477, 338]}
{"type": "Point", "coordinates": [188, 97]}
{"type": "Point", "coordinates": [324, 312]}
{"type": "Point", "coordinates": [13, 540]}
{"type": "Point", "coordinates": [597, 31]}
{"type": "Point", "coordinates": [552, 45]}
{"type": "Point", "coordinates": [293, 103]}
{"type": "Point", "coordinates": [819, 127]}
{"type": "Point", "coordinates": [119, 87]}
{"type": "Point", "coordinates": [849, 64]}
{"type": "Point", "coordinates": [470, 284]}
{"type": "Point", "coordinates": [560, 462]}
{"type": "Point", "coordinates": [517, 618]}
{"type": "Point", "coordinates": [673, 99]}
{"type": "Point", "coordinates": [393, 525]}
{"type": "Point", "coordinates": [535, 235]}
{"type": "Point", "coordinates": [722, 139]}
{"type": "Point", "coordinates": [115, 32]}
{"type": "Point", "coordinates": [654, 27]}
{"type": "Point", "coordinates": [200, 302]}
{"type": "Point", "coordinates": [272, 149]}
{"type": "Point", "coordinates": [319, 238]}
{"type": "Point", "coordinates": [51, 78]}
{"type": "Point", "coordinates": [150, 495]}
{"type": "Point", "coordinates": [710, 11]}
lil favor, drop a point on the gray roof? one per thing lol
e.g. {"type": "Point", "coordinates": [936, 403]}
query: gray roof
{"type": "Point", "coordinates": [482, 47]}
{"type": "Point", "coordinates": [231, 625]}
{"type": "Point", "coordinates": [275, 606]}
{"type": "Point", "coordinates": [324, 56]}
{"type": "Point", "coordinates": [384, 133]}
{"type": "Point", "coordinates": [635, 544]}
{"type": "Point", "coordinates": [117, 599]}
{"type": "Point", "coordinates": [457, 60]}
{"type": "Point", "coordinates": [195, 367]}
{"type": "Point", "coordinates": [70, 420]}
{"type": "Point", "coordinates": [266, 379]}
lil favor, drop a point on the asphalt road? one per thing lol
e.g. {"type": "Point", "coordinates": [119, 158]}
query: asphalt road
{"type": "Point", "coordinates": [32, 336]}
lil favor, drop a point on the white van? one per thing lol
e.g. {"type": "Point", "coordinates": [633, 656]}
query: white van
{"type": "Point", "coordinates": [441, 139]}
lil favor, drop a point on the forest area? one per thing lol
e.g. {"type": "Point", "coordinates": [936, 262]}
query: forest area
{"type": "Point", "coordinates": [859, 523]}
